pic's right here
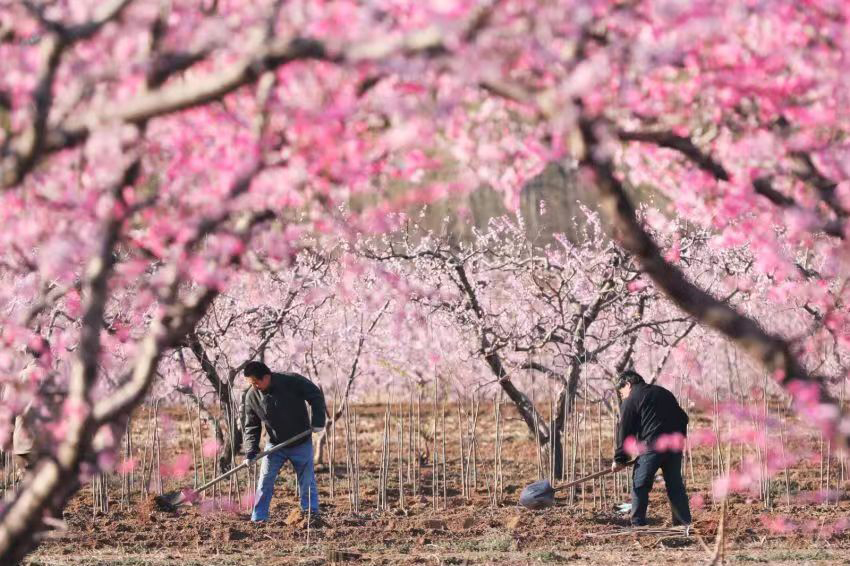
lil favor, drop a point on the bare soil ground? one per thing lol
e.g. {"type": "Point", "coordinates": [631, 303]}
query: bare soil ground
{"type": "Point", "coordinates": [466, 532]}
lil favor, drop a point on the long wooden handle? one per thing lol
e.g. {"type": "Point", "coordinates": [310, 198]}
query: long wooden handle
{"type": "Point", "coordinates": [592, 476]}
{"type": "Point", "coordinates": [261, 455]}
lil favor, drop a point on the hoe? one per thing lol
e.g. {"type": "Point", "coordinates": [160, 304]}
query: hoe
{"type": "Point", "coordinates": [172, 500]}
{"type": "Point", "coordinates": [541, 494]}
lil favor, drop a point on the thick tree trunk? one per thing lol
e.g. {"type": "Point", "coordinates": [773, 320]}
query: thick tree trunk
{"type": "Point", "coordinates": [229, 431]}
{"type": "Point", "coordinates": [533, 419]}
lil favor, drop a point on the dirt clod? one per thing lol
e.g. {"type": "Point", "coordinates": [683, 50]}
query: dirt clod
{"type": "Point", "coordinates": [228, 534]}
{"type": "Point", "coordinates": [293, 518]}
{"type": "Point", "coordinates": [436, 524]}
{"type": "Point", "coordinates": [513, 522]}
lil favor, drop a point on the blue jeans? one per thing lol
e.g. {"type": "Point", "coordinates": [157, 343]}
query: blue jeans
{"type": "Point", "coordinates": [643, 475]}
{"type": "Point", "coordinates": [301, 457]}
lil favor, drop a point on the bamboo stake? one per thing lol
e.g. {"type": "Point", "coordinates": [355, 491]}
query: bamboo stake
{"type": "Point", "coordinates": [418, 437]}
{"type": "Point", "coordinates": [435, 458]}
{"type": "Point", "coordinates": [389, 454]}
{"type": "Point", "coordinates": [785, 462]}
{"type": "Point", "coordinates": [381, 466]}
{"type": "Point", "coordinates": [828, 468]}
{"type": "Point", "coordinates": [349, 462]}
{"type": "Point", "coordinates": [356, 465]}
{"type": "Point", "coordinates": [602, 492]}
{"type": "Point", "coordinates": [820, 448]}
{"type": "Point", "coordinates": [468, 455]}
{"type": "Point", "coordinates": [201, 444]}
{"type": "Point", "coordinates": [584, 448]}
{"type": "Point", "coordinates": [445, 475]}
{"type": "Point", "coordinates": [843, 455]}
{"type": "Point", "coordinates": [765, 474]}
{"type": "Point", "coordinates": [94, 494]}
{"type": "Point", "coordinates": [574, 462]}
{"type": "Point", "coordinates": [472, 461]}
{"type": "Point", "coordinates": [158, 447]}
{"type": "Point", "coordinates": [231, 424]}
{"type": "Point", "coordinates": [129, 456]}
{"type": "Point", "coordinates": [491, 494]}
{"type": "Point", "coordinates": [410, 441]}
{"type": "Point", "coordinates": [462, 452]}
{"type": "Point", "coordinates": [382, 487]}
{"type": "Point", "coordinates": [382, 483]}
{"type": "Point", "coordinates": [332, 447]}
{"type": "Point", "coordinates": [564, 434]}
{"type": "Point", "coordinates": [192, 436]}
{"type": "Point", "coordinates": [552, 436]}
{"type": "Point", "coordinates": [145, 477]}
{"type": "Point", "coordinates": [758, 450]}
{"type": "Point", "coordinates": [476, 406]}
{"type": "Point", "coordinates": [720, 540]}
{"type": "Point", "coordinates": [500, 492]}
{"type": "Point", "coordinates": [401, 457]}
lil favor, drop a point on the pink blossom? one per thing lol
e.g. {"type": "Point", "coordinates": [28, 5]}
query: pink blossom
{"type": "Point", "coordinates": [778, 524]}
{"type": "Point", "coordinates": [179, 466]}
{"type": "Point", "coordinates": [697, 502]}
{"type": "Point", "coordinates": [210, 448]}
{"type": "Point", "coordinates": [674, 254]}
{"type": "Point", "coordinates": [106, 460]}
{"type": "Point", "coordinates": [674, 442]}
{"type": "Point", "coordinates": [633, 447]}
{"type": "Point", "coordinates": [247, 500]}
{"type": "Point", "coordinates": [127, 465]}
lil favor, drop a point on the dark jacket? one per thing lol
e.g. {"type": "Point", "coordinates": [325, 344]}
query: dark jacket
{"type": "Point", "coordinates": [648, 412]}
{"type": "Point", "coordinates": [281, 410]}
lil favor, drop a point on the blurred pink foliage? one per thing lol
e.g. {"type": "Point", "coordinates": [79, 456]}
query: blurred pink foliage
{"type": "Point", "coordinates": [736, 113]}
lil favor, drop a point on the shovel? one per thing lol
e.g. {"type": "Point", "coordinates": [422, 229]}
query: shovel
{"type": "Point", "coordinates": [172, 500]}
{"type": "Point", "coordinates": [541, 494]}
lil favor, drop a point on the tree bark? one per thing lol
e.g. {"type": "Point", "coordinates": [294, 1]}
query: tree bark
{"type": "Point", "coordinates": [772, 351]}
{"type": "Point", "coordinates": [229, 435]}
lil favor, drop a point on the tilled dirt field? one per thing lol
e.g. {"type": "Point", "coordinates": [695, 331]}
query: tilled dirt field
{"type": "Point", "coordinates": [469, 531]}
{"type": "Point", "coordinates": [466, 533]}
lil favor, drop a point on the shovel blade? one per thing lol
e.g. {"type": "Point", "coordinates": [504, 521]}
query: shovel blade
{"type": "Point", "coordinates": [172, 500]}
{"type": "Point", "coordinates": [538, 495]}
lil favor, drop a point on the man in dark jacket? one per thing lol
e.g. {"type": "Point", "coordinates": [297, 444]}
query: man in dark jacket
{"type": "Point", "coordinates": [276, 401]}
{"type": "Point", "coordinates": [654, 423]}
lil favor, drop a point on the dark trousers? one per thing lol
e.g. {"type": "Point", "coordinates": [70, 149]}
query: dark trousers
{"type": "Point", "coordinates": [643, 475]}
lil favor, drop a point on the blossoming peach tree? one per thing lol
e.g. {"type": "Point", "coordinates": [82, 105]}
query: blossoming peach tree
{"type": "Point", "coordinates": [150, 151]}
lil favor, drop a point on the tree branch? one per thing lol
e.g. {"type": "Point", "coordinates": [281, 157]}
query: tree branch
{"type": "Point", "coordinates": [806, 172]}
{"type": "Point", "coordinates": [25, 149]}
{"type": "Point", "coordinates": [770, 350]}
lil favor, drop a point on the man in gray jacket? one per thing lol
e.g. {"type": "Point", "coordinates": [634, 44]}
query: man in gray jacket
{"type": "Point", "coordinates": [278, 402]}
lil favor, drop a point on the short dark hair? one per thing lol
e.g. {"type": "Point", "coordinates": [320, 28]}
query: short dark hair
{"type": "Point", "coordinates": [257, 370]}
{"type": "Point", "coordinates": [629, 376]}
